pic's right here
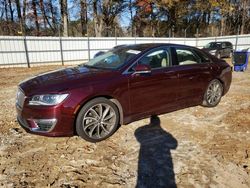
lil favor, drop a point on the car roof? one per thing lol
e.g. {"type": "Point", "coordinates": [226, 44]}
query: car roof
{"type": "Point", "coordinates": [147, 46]}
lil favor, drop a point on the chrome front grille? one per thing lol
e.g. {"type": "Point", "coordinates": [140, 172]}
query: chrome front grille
{"type": "Point", "coordinates": [20, 97]}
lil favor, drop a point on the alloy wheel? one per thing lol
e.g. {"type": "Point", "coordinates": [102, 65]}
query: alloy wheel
{"type": "Point", "coordinates": [99, 120]}
{"type": "Point", "coordinates": [214, 93]}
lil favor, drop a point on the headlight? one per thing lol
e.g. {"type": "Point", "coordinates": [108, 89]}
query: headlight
{"type": "Point", "coordinates": [48, 100]}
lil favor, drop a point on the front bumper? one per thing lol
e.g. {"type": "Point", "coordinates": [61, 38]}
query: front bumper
{"type": "Point", "coordinates": [46, 121]}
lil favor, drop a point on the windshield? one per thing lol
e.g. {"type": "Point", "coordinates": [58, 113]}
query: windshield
{"type": "Point", "coordinates": [112, 59]}
{"type": "Point", "coordinates": [213, 45]}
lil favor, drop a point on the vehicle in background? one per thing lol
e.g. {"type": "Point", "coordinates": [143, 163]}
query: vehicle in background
{"type": "Point", "coordinates": [241, 59]}
{"type": "Point", "coordinates": [99, 53]}
{"type": "Point", "coordinates": [219, 49]}
{"type": "Point", "coordinates": [102, 52]}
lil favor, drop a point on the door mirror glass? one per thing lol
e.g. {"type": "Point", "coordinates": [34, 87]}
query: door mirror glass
{"type": "Point", "coordinates": [142, 69]}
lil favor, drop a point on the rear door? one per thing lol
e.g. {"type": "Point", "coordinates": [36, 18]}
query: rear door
{"type": "Point", "coordinates": [153, 92]}
{"type": "Point", "coordinates": [194, 72]}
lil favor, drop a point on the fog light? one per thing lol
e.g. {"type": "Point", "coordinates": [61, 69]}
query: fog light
{"type": "Point", "coordinates": [44, 124]}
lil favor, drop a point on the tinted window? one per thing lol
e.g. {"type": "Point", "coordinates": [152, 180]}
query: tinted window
{"type": "Point", "coordinates": [213, 45]}
{"type": "Point", "coordinates": [204, 58]}
{"type": "Point", "coordinates": [186, 57]}
{"type": "Point", "coordinates": [156, 59]}
{"type": "Point", "coordinates": [228, 44]}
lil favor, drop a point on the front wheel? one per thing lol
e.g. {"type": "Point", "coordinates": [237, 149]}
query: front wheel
{"type": "Point", "coordinates": [97, 120]}
{"type": "Point", "coordinates": [213, 93]}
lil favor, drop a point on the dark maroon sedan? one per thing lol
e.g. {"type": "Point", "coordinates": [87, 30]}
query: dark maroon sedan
{"type": "Point", "coordinates": [120, 86]}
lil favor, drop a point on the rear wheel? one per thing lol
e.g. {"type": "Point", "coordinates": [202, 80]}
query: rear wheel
{"type": "Point", "coordinates": [97, 120]}
{"type": "Point", "coordinates": [213, 93]}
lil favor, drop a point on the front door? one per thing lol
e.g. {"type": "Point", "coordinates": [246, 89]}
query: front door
{"type": "Point", "coordinates": [153, 92]}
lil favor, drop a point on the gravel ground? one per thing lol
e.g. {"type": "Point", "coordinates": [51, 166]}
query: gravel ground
{"type": "Point", "coordinates": [193, 147]}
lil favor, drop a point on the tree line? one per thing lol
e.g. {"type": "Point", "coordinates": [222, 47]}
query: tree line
{"type": "Point", "coordinates": [132, 18]}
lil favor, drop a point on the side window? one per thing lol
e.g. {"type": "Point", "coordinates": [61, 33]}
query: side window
{"type": "Point", "coordinates": [204, 58]}
{"type": "Point", "coordinates": [156, 59]}
{"type": "Point", "coordinates": [186, 57]}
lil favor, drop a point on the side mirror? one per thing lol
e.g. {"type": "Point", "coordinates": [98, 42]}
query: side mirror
{"type": "Point", "coordinates": [142, 69]}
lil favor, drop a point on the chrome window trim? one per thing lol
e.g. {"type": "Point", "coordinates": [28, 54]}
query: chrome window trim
{"type": "Point", "coordinates": [167, 48]}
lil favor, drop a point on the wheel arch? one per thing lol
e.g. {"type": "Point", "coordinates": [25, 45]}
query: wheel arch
{"type": "Point", "coordinates": [112, 99]}
{"type": "Point", "coordinates": [221, 81]}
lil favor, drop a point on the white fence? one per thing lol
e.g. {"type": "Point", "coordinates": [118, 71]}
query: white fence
{"type": "Point", "coordinates": [31, 51]}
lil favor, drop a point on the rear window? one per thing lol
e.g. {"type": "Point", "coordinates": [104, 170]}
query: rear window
{"type": "Point", "coordinates": [228, 44]}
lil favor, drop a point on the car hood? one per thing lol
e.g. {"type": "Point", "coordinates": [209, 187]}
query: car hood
{"type": "Point", "coordinates": [62, 80]}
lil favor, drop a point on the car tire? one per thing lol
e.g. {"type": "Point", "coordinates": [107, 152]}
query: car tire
{"type": "Point", "coordinates": [213, 94]}
{"type": "Point", "coordinates": [97, 120]}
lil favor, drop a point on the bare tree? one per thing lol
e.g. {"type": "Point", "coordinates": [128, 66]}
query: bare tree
{"type": "Point", "coordinates": [131, 4]}
{"type": "Point", "coordinates": [11, 11]}
{"type": "Point", "coordinates": [20, 18]}
{"type": "Point", "coordinates": [84, 19]}
{"type": "Point", "coordinates": [45, 17]}
{"type": "Point", "coordinates": [11, 23]}
{"type": "Point", "coordinates": [53, 14]}
{"type": "Point", "coordinates": [105, 12]}
{"type": "Point", "coordinates": [64, 17]}
{"type": "Point", "coordinates": [97, 21]}
{"type": "Point", "coordinates": [245, 9]}
{"type": "Point", "coordinates": [34, 9]}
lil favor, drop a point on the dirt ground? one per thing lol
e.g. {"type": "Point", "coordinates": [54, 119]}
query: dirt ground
{"type": "Point", "coordinates": [195, 147]}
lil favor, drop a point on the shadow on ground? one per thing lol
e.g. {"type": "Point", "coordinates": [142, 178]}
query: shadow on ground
{"type": "Point", "coordinates": [155, 166]}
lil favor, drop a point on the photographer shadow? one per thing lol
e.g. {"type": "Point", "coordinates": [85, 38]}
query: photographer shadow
{"type": "Point", "coordinates": [155, 166]}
